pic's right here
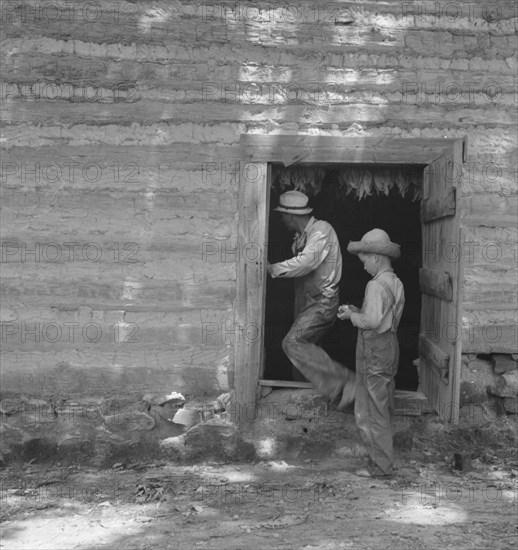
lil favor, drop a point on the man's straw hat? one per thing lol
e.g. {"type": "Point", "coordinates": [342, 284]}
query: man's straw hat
{"type": "Point", "coordinates": [293, 202]}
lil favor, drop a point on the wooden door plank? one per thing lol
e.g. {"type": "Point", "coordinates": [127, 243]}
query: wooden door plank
{"type": "Point", "coordinates": [440, 207]}
{"type": "Point", "coordinates": [435, 356]}
{"type": "Point", "coordinates": [251, 283]}
{"type": "Point", "coordinates": [436, 283]}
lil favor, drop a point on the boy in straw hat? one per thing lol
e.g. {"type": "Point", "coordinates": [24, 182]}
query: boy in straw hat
{"type": "Point", "coordinates": [377, 349]}
{"type": "Point", "coordinates": [316, 269]}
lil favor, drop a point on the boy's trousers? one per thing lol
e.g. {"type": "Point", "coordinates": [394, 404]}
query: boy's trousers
{"type": "Point", "coordinates": [377, 358]}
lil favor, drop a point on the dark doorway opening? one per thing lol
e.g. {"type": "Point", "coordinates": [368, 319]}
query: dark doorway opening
{"type": "Point", "coordinates": [351, 217]}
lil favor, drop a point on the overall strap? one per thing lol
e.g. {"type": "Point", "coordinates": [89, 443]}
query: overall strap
{"type": "Point", "coordinates": [392, 298]}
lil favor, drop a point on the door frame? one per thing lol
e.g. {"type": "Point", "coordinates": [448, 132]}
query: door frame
{"type": "Point", "coordinates": [257, 153]}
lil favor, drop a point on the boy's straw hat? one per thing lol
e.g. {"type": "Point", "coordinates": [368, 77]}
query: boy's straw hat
{"type": "Point", "coordinates": [293, 202]}
{"type": "Point", "coordinates": [375, 241]}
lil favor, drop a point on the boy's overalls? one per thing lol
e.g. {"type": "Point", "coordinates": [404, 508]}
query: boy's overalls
{"type": "Point", "coordinates": [377, 358]}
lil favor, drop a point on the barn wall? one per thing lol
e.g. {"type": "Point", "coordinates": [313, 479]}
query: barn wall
{"type": "Point", "coordinates": [121, 123]}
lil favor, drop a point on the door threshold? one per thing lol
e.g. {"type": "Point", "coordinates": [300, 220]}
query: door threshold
{"type": "Point", "coordinates": [285, 384]}
{"type": "Point", "coordinates": [406, 402]}
{"type": "Point", "coordinates": [402, 394]}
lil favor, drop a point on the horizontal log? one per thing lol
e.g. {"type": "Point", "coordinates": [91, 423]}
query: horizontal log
{"type": "Point", "coordinates": [68, 373]}
{"type": "Point", "coordinates": [484, 306]}
{"type": "Point", "coordinates": [191, 258]}
{"type": "Point", "coordinates": [490, 277]}
{"type": "Point", "coordinates": [491, 337]}
{"type": "Point", "coordinates": [159, 202]}
{"type": "Point", "coordinates": [348, 107]}
{"type": "Point", "coordinates": [436, 283]}
{"type": "Point", "coordinates": [154, 133]}
{"type": "Point", "coordinates": [490, 209]}
{"type": "Point", "coordinates": [91, 217]}
{"type": "Point", "coordinates": [118, 295]}
{"type": "Point", "coordinates": [493, 206]}
{"type": "Point", "coordinates": [181, 156]}
{"type": "Point", "coordinates": [105, 79]}
{"type": "Point", "coordinates": [129, 15]}
{"type": "Point", "coordinates": [490, 220]}
{"type": "Point", "coordinates": [150, 205]}
{"type": "Point", "coordinates": [317, 27]}
{"type": "Point", "coordinates": [434, 357]}
{"type": "Point", "coordinates": [438, 207]}
{"type": "Point", "coordinates": [490, 253]}
{"type": "Point", "coordinates": [496, 296]}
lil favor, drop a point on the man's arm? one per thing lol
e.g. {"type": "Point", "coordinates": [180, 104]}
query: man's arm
{"type": "Point", "coordinates": [313, 254]}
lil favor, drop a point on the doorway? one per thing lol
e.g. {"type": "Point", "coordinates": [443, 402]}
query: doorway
{"type": "Point", "coordinates": [440, 280]}
{"type": "Point", "coordinates": [336, 197]}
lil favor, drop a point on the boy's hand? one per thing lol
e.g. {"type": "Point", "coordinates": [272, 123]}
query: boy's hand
{"type": "Point", "coordinates": [344, 313]}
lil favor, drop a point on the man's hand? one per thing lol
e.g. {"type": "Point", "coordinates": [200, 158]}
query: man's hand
{"type": "Point", "coordinates": [269, 267]}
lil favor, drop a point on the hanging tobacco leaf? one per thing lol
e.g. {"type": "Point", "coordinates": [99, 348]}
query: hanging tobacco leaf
{"type": "Point", "coordinates": [307, 179]}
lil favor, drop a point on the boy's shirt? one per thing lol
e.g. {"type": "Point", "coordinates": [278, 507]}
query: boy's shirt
{"type": "Point", "coordinates": [381, 310]}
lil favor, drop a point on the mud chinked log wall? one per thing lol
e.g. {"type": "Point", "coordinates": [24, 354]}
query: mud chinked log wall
{"type": "Point", "coordinates": [121, 124]}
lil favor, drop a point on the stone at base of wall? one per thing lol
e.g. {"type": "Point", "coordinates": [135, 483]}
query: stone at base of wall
{"type": "Point", "coordinates": [511, 404]}
{"type": "Point", "coordinates": [107, 431]}
{"type": "Point", "coordinates": [294, 424]}
{"type": "Point", "coordinates": [490, 379]}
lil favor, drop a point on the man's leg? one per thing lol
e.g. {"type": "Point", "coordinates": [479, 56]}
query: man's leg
{"type": "Point", "coordinates": [311, 360]}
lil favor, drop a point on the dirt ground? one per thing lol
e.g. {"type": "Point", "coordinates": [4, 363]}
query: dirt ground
{"type": "Point", "coordinates": [316, 503]}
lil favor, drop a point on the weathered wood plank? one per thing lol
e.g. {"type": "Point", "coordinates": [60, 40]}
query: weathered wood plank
{"type": "Point", "coordinates": [174, 29]}
{"type": "Point", "coordinates": [490, 220]}
{"type": "Point", "coordinates": [436, 283]}
{"type": "Point", "coordinates": [490, 304]}
{"type": "Point", "coordinates": [52, 334]}
{"type": "Point", "coordinates": [251, 283]}
{"type": "Point", "coordinates": [439, 365]}
{"type": "Point", "coordinates": [104, 372]}
{"type": "Point", "coordinates": [285, 384]}
{"type": "Point", "coordinates": [116, 163]}
{"type": "Point", "coordinates": [491, 337]}
{"type": "Point", "coordinates": [491, 206]}
{"type": "Point", "coordinates": [438, 207]}
{"type": "Point", "coordinates": [117, 294]}
{"type": "Point", "coordinates": [497, 292]}
{"type": "Point", "coordinates": [360, 107]}
{"type": "Point", "coordinates": [434, 357]}
{"type": "Point", "coordinates": [152, 80]}
{"type": "Point", "coordinates": [386, 150]}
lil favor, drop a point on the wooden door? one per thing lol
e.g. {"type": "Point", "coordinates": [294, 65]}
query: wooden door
{"type": "Point", "coordinates": [440, 278]}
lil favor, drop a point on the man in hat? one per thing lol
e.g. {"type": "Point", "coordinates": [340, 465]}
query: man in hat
{"type": "Point", "coordinates": [316, 268]}
{"type": "Point", "coordinates": [377, 348]}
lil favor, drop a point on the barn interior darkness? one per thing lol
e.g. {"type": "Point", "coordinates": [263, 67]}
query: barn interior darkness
{"type": "Point", "coordinates": [351, 217]}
